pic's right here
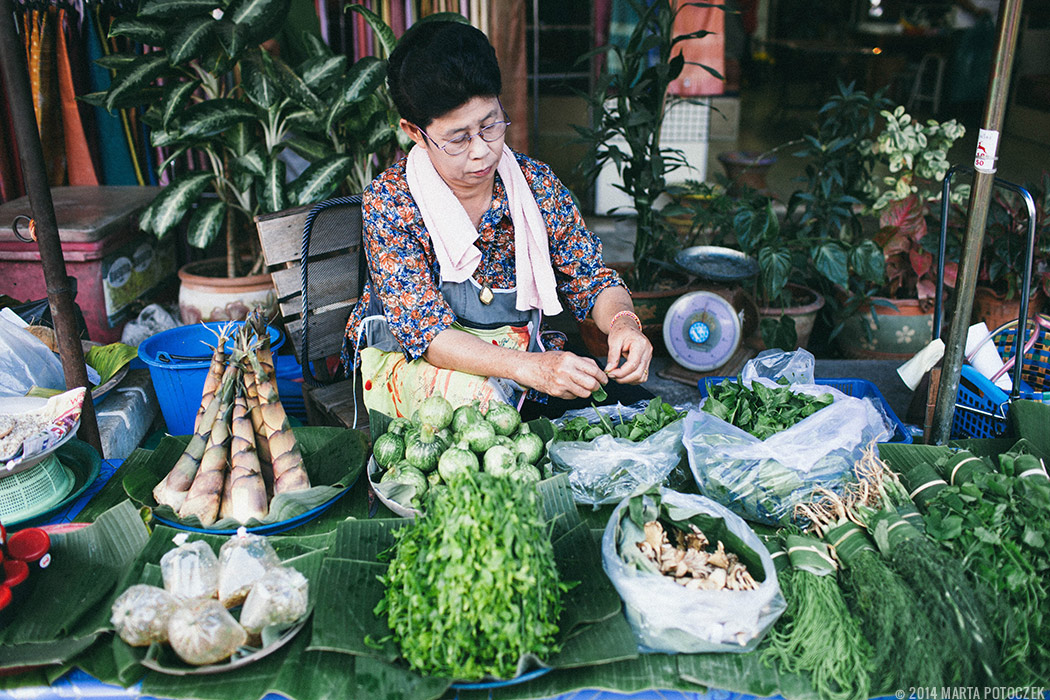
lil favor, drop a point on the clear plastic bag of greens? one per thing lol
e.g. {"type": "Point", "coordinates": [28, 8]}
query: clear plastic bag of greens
{"type": "Point", "coordinates": [797, 366]}
{"type": "Point", "coordinates": [606, 469]}
{"type": "Point", "coordinates": [670, 616]}
{"type": "Point", "coordinates": [763, 480]}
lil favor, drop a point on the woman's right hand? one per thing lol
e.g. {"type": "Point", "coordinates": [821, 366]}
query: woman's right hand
{"type": "Point", "coordinates": [561, 374]}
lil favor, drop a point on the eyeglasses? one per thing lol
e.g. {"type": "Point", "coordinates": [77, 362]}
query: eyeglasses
{"type": "Point", "coordinates": [460, 144]}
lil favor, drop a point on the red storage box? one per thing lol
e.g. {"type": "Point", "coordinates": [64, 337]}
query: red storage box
{"type": "Point", "coordinates": [113, 261]}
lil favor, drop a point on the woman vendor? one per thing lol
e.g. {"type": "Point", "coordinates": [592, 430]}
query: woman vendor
{"type": "Point", "coordinates": [469, 246]}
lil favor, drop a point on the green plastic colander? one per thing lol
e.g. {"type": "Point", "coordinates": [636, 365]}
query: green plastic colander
{"type": "Point", "coordinates": [36, 490]}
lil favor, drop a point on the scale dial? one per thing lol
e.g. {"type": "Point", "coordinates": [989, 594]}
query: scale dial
{"type": "Point", "coordinates": [702, 331]}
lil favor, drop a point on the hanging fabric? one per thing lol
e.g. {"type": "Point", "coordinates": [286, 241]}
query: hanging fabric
{"type": "Point", "coordinates": [117, 168]}
{"type": "Point", "coordinates": [81, 168]}
{"type": "Point", "coordinates": [709, 51]}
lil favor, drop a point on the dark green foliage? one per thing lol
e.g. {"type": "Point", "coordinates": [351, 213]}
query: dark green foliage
{"type": "Point", "coordinates": [759, 409]}
{"type": "Point", "coordinates": [657, 415]}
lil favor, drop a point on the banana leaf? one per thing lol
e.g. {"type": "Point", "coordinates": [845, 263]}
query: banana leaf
{"type": "Point", "coordinates": [334, 459]}
{"type": "Point", "coordinates": [62, 615]}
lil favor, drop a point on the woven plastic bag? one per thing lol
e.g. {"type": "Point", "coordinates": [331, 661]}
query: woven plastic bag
{"type": "Point", "coordinates": [667, 617]}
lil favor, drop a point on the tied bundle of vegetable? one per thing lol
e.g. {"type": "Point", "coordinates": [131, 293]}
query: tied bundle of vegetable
{"type": "Point", "coordinates": [998, 526]}
{"type": "Point", "coordinates": [230, 468]}
{"type": "Point", "coordinates": [817, 634]}
{"type": "Point", "coordinates": [759, 409]}
{"type": "Point", "coordinates": [938, 579]}
{"type": "Point", "coordinates": [473, 584]}
{"type": "Point", "coordinates": [906, 648]}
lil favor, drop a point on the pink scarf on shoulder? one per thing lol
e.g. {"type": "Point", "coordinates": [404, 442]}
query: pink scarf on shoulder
{"type": "Point", "coordinates": [453, 234]}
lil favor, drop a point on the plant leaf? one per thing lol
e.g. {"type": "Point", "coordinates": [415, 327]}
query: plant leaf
{"type": "Point", "coordinates": [232, 37]}
{"type": "Point", "coordinates": [186, 44]}
{"type": "Point", "coordinates": [310, 149]}
{"type": "Point", "coordinates": [239, 138]}
{"type": "Point", "coordinates": [292, 85]}
{"type": "Point", "coordinates": [364, 78]}
{"type": "Point", "coordinates": [175, 200]}
{"type": "Point", "coordinates": [831, 261]}
{"type": "Point", "coordinates": [138, 30]}
{"type": "Point", "coordinates": [252, 162]}
{"type": "Point", "coordinates": [213, 117]}
{"type": "Point", "coordinates": [318, 73]}
{"type": "Point", "coordinates": [206, 223]}
{"type": "Point", "coordinates": [174, 97]}
{"type": "Point", "coordinates": [139, 73]}
{"type": "Point", "coordinates": [321, 179]}
{"type": "Point", "coordinates": [383, 32]}
{"type": "Point", "coordinates": [258, 82]}
{"type": "Point", "coordinates": [183, 9]}
{"type": "Point", "coordinates": [261, 18]}
{"type": "Point", "coordinates": [271, 195]}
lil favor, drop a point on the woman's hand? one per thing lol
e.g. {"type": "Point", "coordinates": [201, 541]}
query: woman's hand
{"type": "Point", "coordinates": [613, 312]}
{"type": "Point", "coordinates": [561, 374]}
{"type": "Point", "coordinates": [628, 343]}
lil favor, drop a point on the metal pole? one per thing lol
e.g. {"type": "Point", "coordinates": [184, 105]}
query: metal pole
{"type": "Point", "coordinates": [59, 293]}
{"type": "Point", "coordinates": [980, 197]}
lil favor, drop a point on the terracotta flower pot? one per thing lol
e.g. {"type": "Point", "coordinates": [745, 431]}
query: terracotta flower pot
{"type": "Point", "coordinates": [995, 309]}
{"type": "Point", "coordinates": [746, 168]}
{"type": "Point", "coordinates": [206, 295]}
{"type": "Point", "coordinates": [804, 314]}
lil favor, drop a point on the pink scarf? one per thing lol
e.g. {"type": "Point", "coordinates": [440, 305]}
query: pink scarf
{"type": "Point", "coordinates": [453, 234]}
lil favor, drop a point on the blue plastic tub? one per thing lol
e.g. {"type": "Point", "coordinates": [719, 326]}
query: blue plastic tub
{"type": "Point", "coordinates": [860, 388]}
{"type": "Point", "coordinates": [178, 361]}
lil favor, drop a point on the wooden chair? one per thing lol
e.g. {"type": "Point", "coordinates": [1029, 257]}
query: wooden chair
{"type": "Point", "coordinates": [318, 249]}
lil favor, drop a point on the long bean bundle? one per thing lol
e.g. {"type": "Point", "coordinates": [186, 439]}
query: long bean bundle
{"type": "Point", "coordinates": [817, 634]}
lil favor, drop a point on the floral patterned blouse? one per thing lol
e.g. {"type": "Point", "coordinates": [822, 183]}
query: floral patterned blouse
{"type": "Point", "coordinates": [404, 269]}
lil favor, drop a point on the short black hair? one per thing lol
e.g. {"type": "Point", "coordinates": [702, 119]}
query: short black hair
{"type": "Point", "coordinates": [438, 66]}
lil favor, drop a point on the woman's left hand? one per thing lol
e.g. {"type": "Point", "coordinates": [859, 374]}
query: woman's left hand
{"type": "Point", "coordinates": [628, 343]}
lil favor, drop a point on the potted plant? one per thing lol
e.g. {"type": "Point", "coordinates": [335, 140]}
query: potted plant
{"type": "Point", "coordinates": [894, 319]}
{"type": "Point", "coordinates": [214, 94]}
{"type": "Point", "coordinates": [629, 103]}
{"type": "Point", "coordinates": [817, 246]}
{"type": "Point", "coordinates": [999, 279]}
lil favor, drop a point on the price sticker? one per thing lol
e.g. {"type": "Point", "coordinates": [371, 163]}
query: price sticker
{"type": "Point", "coordinates": [987, 151]}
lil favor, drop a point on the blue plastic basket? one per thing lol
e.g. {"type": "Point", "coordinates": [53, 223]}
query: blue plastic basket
{"type": "Point", "coordinates": [980, 406]}
{"type": "Point", "coordinates": [859, 388]}
{"type": "Point", "coordinates": [178, 361]}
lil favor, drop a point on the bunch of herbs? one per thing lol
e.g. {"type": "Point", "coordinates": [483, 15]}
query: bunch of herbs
{"type": "Point", "coordinates": [473, 585]}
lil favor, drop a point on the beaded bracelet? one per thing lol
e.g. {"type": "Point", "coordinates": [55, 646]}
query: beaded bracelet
{"type": "Point", "coordinates": [629, 314]}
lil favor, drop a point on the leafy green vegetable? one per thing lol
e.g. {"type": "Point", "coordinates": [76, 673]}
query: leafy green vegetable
{"type": "Point", "coordinates": [999, 526]}
{"type": "Point", "coordinates": [657, 415]}
{"type": "Point", "coordinates": [473, 584]}
{"type": "Point", "coordinates": [761, 410]}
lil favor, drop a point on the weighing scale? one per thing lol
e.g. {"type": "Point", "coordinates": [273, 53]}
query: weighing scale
{"type": "Point", "coordinates": [703, 329]}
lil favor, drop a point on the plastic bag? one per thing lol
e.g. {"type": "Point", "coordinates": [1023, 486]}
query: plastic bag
{"type": "Point", "coordinates": [141, 614]}
{"type": "Point", "coordinates": [190, 571]}
{"type": "Point", "coordinates": [243, 560]}
{"type": "Point", "coordinates": [203, 632]}
{"type": "Point", "coordinates": [26, 362]}
{"type": "Point", "coordinates": [281, 597]}
{"type": "Point", "coordinates": [797, 366]}
{"type": "Point", "coordinates": [151, 320]}
{"type": "Point", "coordinates": [667, 617]}
{"type": "Point", "coordinates": [763, 480]}
{"type": "Point", "coordinates": [607, 469]}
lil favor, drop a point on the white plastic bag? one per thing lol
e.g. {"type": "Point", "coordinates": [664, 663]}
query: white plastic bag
{"type": "Point", "coordinates": [153, 319]}
{"type": "Point", "coordinates": [26, 362]}
{"type": "Point", "coordinates": [667, 617]}
{"type": "Point", "coordinates": [607, 469]}
{"type": "Point", "coordinates": [763, 480]}
{"type": "Point", "coordinates": [797, 366]}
